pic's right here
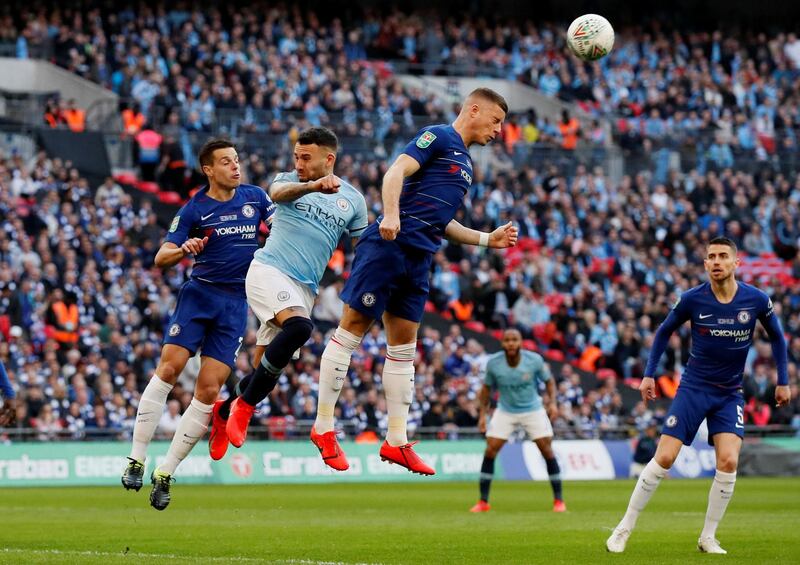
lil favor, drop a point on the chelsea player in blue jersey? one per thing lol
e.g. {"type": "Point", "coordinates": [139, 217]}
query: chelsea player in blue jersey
{"type": "Point", "coordinates": [723, 314]}
{"type": "Point", "coordinates": [219, 227]}
{"type": "Point", "coordinates": [516, 375]}
{"type": "Point", "coordinates": [422, 191]}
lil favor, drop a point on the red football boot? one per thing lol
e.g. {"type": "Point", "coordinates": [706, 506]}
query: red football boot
{"type": "Point", "coordinates": [239, 419]}
{"type": "Point", "coordinates": [481, 506]}
{"type": "Point", "coordinates": [328, 446]}
{"type": "Point", "coordinates": [218, 440]}
{"type": "Point", "coordinates": [559, 506]}
{"type": "Point", "coordinates": [404, 455]}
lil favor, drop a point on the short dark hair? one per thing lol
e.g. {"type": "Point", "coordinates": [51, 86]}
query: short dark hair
{"type": "Point", "coordinates": [491, 96]}
{"type": "Point", "coordinates": [206, 155]}
{"type": "Point", "coordinates": [724, 241]}
{"type": "Point", "coordinates": [319, 136]}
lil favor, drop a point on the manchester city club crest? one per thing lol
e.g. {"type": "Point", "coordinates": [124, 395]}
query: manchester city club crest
{"type": "Point", "coordinates": [284, 295]}
{"type": "Point", "coordinates": [343, 204]}
{"type": "Point", "coordinates": [248, 211]}
{"type": "Point", "coordinates": [743, 317]}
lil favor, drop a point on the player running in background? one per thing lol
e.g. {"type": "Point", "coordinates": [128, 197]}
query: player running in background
{"type": "Point", "coordinates": [8, 415]}
{"type": "Point", "coordinates": [422, 191]}
{"type": "Point", "coordinates": [723, 314]}
{"type": "Point", "coordinates": [314, 209]}
{"type": "Point", "coordinates": [219, 226]}
{"type": "Point", "coordinates": [516, 375]}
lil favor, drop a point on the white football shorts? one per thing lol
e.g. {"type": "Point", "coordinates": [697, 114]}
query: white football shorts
{"type": "Point", "coordinates": [535, 423]}
{"type": "Point", "coordinates": [268, 292]}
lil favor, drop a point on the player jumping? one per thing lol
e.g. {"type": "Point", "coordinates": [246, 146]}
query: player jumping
{"type": "Point", "coordinates": [422, 191]}
{"type": "Point", "coordinates": [219, 227]}
{"type": "Point", "coordinates": [516, 374]}
{"type": "Point", "coordinates": [314, 209]}
{"type": "Point", "coordinates": [723, 314]}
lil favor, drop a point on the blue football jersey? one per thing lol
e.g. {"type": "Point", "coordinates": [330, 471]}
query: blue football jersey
{"type": "Point", "coordinates": [432, 196]}
{"type": "Point", "coordinates": [232, 230]}
{"type": "Point", "coordinates": [722, 335]}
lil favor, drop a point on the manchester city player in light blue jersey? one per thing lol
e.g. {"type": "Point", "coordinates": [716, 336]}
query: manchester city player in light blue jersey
{"type": "Point", "coordinates": [422, 191]}
{"type": "Point", "coordinates": [314, 209]}
{"type": "Point", "coordinates": [516, 375]}
{"type": "Point", "coordinates": [219, 227]}
{"type": "Point", "coordinates": [723, 314]}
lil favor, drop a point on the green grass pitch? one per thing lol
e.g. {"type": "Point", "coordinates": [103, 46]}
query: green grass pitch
{"type": "Point", "coordinates": [392, 523]}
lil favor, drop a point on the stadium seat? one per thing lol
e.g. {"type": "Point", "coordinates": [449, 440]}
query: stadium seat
{"type": "Point", "coordinates": [604, 374]}
{"type": "Point", "coordinates": [169, 198]}
{"type": "Point", "coordinates": [555, 355]}
{"type": "Point", "coordinates": [475, 326]}
{"type": "Point", "coordinates": [126, 178]}
{"type": "Point", "coordinates": [148, 187]}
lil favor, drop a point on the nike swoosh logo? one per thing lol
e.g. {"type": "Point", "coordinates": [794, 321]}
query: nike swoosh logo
{"type": "Point", "coordinates": [190, 437]}
{"type": "Point", "coordinates": [340, 370]}
{"type": "Point", "coordinates": [456, 152]}
{"type": "Point", "coordinates": [144, 413]}
{"type": "Point", "coordinates": [702, 317]}
{"type": "Point", "coordinates": [204, 218]}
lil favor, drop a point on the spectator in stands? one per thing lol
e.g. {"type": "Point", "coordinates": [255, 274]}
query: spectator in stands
{"type": "Point", "coordinates": [74, 117]}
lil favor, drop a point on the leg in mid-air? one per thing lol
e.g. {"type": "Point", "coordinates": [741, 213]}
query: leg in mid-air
{"type": "Point", "coordinates": [295, 330]}
{"type": "Point", "coordinates": [493, 447]}
{"type": "Point", "coordinates": [545, 445]}
{"type": "Point", "coordinates": [218, 438]}
{"type": "Point", "coordinates": [654, 471]}
{"type": "Point", "coordinates": [398, 385]}
{"type": "Point", "coordinates": [151, 406]}
{"type": "Point", "coordinates": [333, 369]}
{"type": "Point", "coordinates": [191, 428]}
{"type": "Point", "coordinates": [282, 305]}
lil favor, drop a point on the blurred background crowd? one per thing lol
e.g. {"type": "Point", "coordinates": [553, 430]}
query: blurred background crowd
{"type": "Point", "coordinates": [707, 123]}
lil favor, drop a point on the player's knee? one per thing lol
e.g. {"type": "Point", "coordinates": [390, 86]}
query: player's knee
{"type": "Point", "coordinates": [167, 372]}
{"type": "Point", "coordinates": [206, 392]}
{"type": "Point", "coordinates": [665, 459]}
{"type": "Point", "coordinates": [727, 462]}
{"type": "Point", "coordinates": [297, 330]}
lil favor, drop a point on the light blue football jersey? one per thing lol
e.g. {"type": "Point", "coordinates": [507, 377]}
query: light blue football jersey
{"type": "Point", "coordinates": [306, 231]}
{"type": "Point", "coordinates": [518, 386]}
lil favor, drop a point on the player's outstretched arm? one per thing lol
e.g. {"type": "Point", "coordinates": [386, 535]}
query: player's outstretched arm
{"type": "Point", "coordinates": [170, 254]}
{"type": "Point", "coordinates": [404, 166]}
{"type": "Point", "coordinates": [289, 191]}
{"type": "Point", "coordinates": [502, 237]}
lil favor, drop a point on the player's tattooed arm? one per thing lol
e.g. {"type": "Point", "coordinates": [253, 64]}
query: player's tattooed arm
{"type": "Point", "coordinates": [502, 237]}
{"type": "Point", "coordinates": [289, 191]}
{"type": "Point", "coordinates": [483, 405]}
{"type": "Point", "coordinates": [404, 166]}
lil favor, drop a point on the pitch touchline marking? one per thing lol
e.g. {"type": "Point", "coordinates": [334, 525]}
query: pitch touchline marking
{"type": "Point", "coordinates": [193, 558]}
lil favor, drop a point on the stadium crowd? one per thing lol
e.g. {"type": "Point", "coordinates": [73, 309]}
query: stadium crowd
{"type": "Point", "coordinates": [737, 93]}
{"type": "Point", "coordinates": [82, 309]}
{"type": "Point", "coordinates": [596, 272]}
